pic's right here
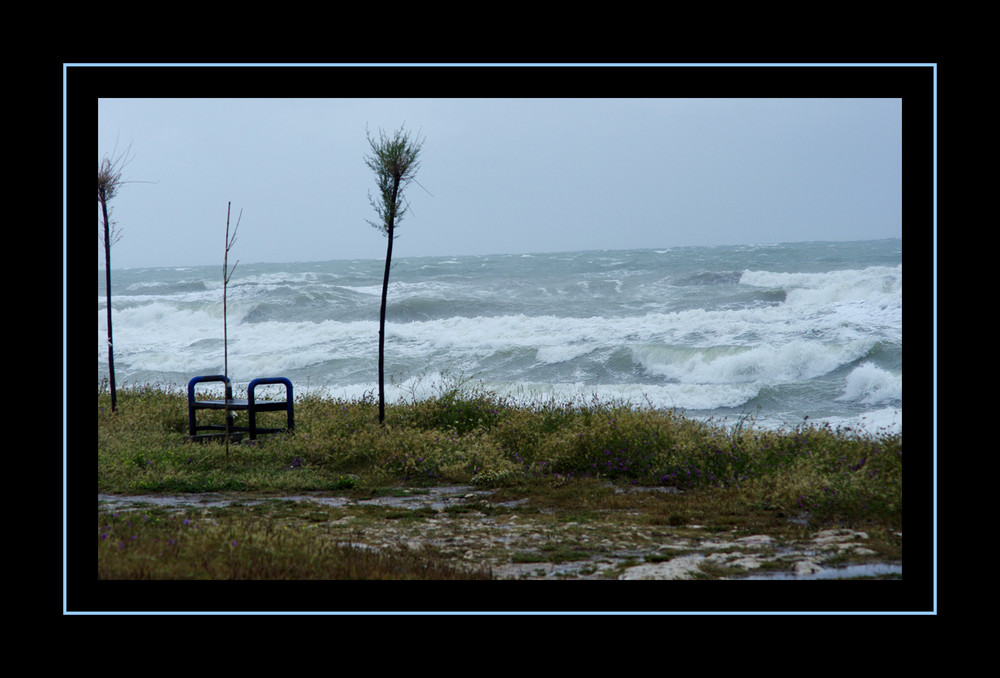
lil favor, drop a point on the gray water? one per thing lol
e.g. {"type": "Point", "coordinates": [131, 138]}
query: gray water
{"type": "Point", "coordinates": [847, 572]}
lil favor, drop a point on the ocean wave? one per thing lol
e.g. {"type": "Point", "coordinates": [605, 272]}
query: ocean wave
{"type": "Point", "coordinates": [871, 385]}
{"type": "Point", "coordinates": [792, 362]}
{"type": "Point", "coordinates": [159, 287]}
{"type": "Point", "coordinates": [707, 277]}
{"type": "Point", "coordinates": [878, 284]}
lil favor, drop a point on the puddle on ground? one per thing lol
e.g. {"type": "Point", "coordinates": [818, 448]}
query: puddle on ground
{"type": "Point", "coordinates": [849, 572]}
{"type": "Point", "coordinates": [433, 497]}
{"type": "Point", "coordinates": [130, 501]}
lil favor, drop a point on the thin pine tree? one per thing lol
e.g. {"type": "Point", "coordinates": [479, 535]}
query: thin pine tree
{"type": "Point", "coordinates": [395, 161]}
{"type": "Point", "coordinates": [109, 182]}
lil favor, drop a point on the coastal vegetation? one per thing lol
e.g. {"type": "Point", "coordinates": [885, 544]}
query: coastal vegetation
{"type": "Point", "coordinates": [577, 462]}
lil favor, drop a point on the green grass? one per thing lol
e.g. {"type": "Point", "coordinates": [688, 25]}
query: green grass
{"type": "Point", "coordinates": [567, 457]}
{"type": "Point", "coordinates": [236, 545]}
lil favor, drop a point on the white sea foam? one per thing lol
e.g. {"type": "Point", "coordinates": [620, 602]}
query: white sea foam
{"type": "Point", "coordinates": [872, 385]}
{"type": "Point", "coordinates": [878, 284]}
{"type": "Point", "coordinates": [794, 361]}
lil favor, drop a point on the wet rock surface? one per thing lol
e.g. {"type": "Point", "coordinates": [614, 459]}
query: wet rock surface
{"type": "Point", "coordinates": [463, 525]}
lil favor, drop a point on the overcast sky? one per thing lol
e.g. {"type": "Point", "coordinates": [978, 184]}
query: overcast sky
{"type": "Point", "coordinates": [499, 175]}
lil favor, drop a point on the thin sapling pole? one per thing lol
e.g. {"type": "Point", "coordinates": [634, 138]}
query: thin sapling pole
{"type": "Point", "coordinates": [227, 273]}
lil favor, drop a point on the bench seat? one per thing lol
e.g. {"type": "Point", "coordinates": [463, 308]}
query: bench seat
{"type": "Point", "coordinates": [251, 405]}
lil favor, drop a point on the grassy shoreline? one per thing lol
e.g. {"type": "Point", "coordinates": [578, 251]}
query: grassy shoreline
{"type": "Point", "coordinates": [579, 462]}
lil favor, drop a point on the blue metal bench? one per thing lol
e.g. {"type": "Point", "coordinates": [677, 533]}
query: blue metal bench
{"type": "Point", "coordinates": [251, 405]}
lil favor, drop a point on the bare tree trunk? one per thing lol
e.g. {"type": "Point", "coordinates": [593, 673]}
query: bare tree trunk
{"type": "Point", "coordinates": [226, 274]}
{"type": "Point", "coordinates": [107, 285]}
{"type": "Point", "coordinates": [381, 321]}
{"type": "Point", "coordinates": [225, 330]}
